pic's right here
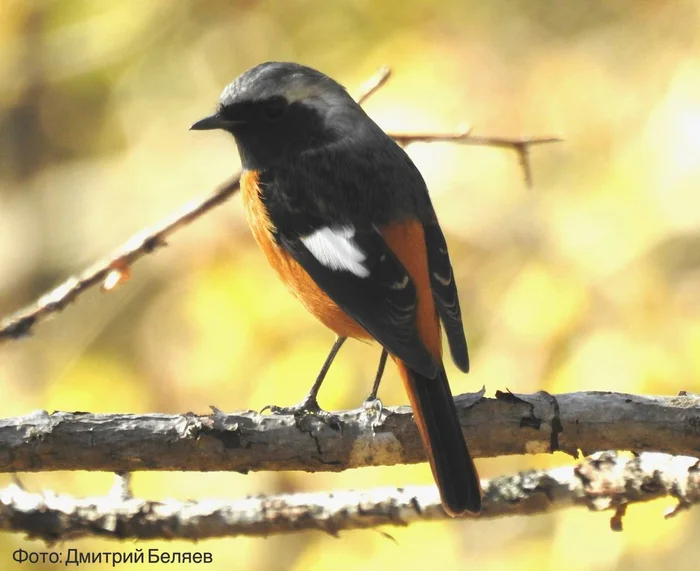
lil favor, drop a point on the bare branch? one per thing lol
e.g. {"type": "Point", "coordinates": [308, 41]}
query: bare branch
{"type": "Point", "coordinates": [247, 441]}
{"type": "Point", "coordinates": [109, 271]}
{"type": "Point", "coordinates": [520, 145]}
{"type": "Point", "coordinates": [115, 269]}
{"type": "Point", "coordinates": [603, 481]}
{"type": "Point", "coordinates": [373, 84]}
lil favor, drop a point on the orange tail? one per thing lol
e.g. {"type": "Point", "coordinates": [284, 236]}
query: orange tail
{"type": "Point", "coordinates": [436, 417]}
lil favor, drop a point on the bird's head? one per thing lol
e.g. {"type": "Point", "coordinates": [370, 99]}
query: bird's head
{"type": "Point", "coordinates": [279, 110]}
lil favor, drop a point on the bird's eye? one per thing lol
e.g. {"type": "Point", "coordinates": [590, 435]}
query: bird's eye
{"type": "Point", "coordinates": [274, 107]}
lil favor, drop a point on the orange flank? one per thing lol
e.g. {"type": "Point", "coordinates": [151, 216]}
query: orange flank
{"type": "Point", "coordinates": [407, 241]}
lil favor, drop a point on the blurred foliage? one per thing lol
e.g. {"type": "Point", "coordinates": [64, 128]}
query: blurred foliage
{"type": "Point", "coordinates": [589, 281]}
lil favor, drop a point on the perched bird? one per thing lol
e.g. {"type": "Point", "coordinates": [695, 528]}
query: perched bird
{"type": "Point", "coordinates": [344, 217]}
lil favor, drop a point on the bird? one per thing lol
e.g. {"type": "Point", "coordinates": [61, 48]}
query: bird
{"type": "Point", "coordinates": [344, 217]}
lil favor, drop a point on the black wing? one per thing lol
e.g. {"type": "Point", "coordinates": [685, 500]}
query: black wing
{"type": "Point", "coordinates": [384, 301]}
{"type": "Point", "coordinates": [445, 295]}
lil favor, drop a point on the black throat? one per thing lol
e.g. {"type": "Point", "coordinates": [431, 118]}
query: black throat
{"type": "Point", "coordinates": [265, 143]}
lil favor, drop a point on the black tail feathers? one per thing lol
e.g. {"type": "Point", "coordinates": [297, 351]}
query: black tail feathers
{"type": "Point", "coordinates": [452, 465]}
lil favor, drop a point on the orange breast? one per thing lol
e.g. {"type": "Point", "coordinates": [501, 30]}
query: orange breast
{"type": "Point", "coordinates": [289, 270]}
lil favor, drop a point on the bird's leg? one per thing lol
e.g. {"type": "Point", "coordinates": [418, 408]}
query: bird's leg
{"type": "Point", "coordinates": [372, 405]}
{"type": "Point", "coordinates": [309, 405]}
{"type": "Point", "coordinates": [378, 377]}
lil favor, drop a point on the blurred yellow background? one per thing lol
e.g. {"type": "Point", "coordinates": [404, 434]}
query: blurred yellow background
{"type": "Point", "coordinates": [591, 280]}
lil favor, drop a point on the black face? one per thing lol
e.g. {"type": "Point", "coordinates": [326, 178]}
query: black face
{"type": "Point", "coordinates": [270, 129]}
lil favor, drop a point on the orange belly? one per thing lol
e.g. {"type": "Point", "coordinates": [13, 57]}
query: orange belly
{"type": "Point", "coordinates": [289, 270]}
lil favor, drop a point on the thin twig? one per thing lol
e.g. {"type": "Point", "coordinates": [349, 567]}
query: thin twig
{"type": "Point", "coordinates": [110, 271]}
{"type": "Point", "coordinates": [510, 424]}
{"type": "Point", "coordinates": [115, 269]}
{"type": "Point", "coordinates": [520, 145]}
{"type": "Point", "coordinates": [373, 84]}
{"type": "Point", "coordinates": [605, 481]}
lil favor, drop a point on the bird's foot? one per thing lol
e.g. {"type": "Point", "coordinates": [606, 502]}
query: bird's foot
{"type": "Point", "coordinates": [373, 408]}
{"type": "Point", "coordinates": [372, 403]}
{"type": "Point", "coordinates": [308, 407]}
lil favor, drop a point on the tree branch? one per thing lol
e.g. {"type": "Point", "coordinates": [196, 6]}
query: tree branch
{"type": "Point", "coordinates": [115, 269]}
{"type": "Point", "coordinates": [521, 145]}
{"type": "Point", "coordinates": [247, 441]}
{"type": "Point", "coordinates": [601, 482]}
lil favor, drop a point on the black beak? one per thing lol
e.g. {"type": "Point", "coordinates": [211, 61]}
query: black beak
{"type": "Point", "coordinates": [208, 123]}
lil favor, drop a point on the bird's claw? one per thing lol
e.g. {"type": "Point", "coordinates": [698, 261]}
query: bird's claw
{"type": "Point", "coordinates": [373, 408]}
{"type": "Point", "coordinates": [307, 407]}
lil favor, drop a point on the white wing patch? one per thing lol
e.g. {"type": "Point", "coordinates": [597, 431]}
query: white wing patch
{"type": "Point", "coordinates": [336, 249]}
